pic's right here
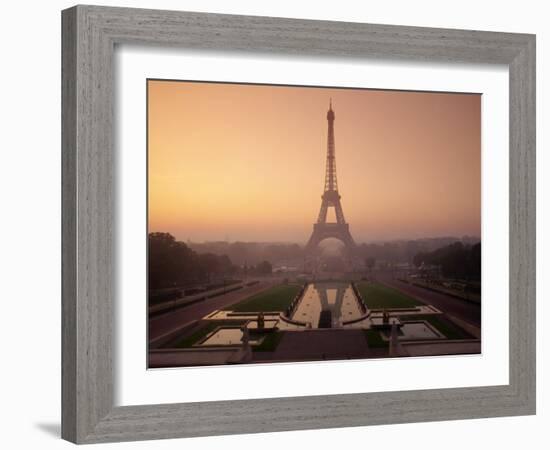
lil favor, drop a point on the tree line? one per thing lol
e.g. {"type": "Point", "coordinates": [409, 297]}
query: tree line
{"type": "Point", "coordinates": [457, 260]}
{"type": "Point", "coordinates": [401, 251]}
{"type": "Point", "coordinates": [172, 263]}
{"type": "Point", "coordinates": [251, 253]}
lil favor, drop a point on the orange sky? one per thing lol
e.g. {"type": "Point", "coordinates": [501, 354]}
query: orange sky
{"type": "Point", "coordinates": [247, 162]}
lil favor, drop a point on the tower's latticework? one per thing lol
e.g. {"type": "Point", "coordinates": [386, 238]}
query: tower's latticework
{"type": "Point", "coordinates": [330, 199]}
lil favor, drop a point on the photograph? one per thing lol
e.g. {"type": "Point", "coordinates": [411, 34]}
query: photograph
{"type": "Point", "coordinates": [274, 225]}
{"type": "Point", "coordinates": [299, 223]}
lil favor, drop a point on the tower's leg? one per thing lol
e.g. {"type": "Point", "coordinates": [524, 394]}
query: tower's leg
{"type": "Point", "coordinates": [339, 213]}
{"type": "Point", "coordinates": [323, 212]}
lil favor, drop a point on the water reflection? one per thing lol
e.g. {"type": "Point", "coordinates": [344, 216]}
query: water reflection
{"type": "Point", "coordinates": [327, 305]}
{"type": "Point", "coordinates": [418, 330]}
{"type": "Point", "coordinates": [227, 336]}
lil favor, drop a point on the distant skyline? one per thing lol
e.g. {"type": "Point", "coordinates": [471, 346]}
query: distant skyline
{"type": "Point", "coordinates": [247, 162]}
{"type": "Point", "coordinates": [383, 241]}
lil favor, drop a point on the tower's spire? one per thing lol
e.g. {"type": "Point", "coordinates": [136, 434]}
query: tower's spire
{"type": "Point", "coordinates": [330, 174]}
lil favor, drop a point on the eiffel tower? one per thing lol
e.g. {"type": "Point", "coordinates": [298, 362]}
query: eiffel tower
{"type": "Point", "coordinates": [330, 199]}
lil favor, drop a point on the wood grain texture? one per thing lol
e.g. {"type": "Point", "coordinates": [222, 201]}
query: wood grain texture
{"type": "Point", "coordinates": [89, 37]}
{"type": "Point", "coordinates": [68, 225]}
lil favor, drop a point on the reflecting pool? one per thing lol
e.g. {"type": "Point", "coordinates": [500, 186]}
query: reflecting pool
{"type": "Point", "coordinates": [228, 336]}
{"type": "Point", "coordinates": [418, 330]}
{"type": "Point", "coordinates": [327, 305]}
{"type": "Point", "coordinates": [415, 331]}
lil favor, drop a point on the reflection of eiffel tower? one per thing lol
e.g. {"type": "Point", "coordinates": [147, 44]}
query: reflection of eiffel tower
{"type": "Point", "coordinates": [330, 199]}
{"type": "Point", "coordinates": [330, 313]}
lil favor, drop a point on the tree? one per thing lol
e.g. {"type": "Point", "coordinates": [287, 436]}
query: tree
{"type": "Point", "coordinates": [264, 268]}
{"type": "Point", "coordinates": [456, 260]}
{"type": "Point", "coordinates": [172, 263]}
{"type": "Point", "coordinates": [209, 265]}
{"type": "Point", "coordinates": [419, 258]}
{"type": "Point", "coordinates": [370, 262]}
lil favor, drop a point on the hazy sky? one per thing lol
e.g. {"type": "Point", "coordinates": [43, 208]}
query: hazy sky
{"type": "Point", "coordinates": [247, 162]}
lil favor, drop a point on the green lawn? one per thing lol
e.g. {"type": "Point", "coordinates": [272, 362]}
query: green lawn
{"type": "Point", "coordinates": [276, 298]}
{"type": "Point", "coordinates": [445, 326]}
{"type": "Point", "coordinates": [374, 340]}
{"type": "Point", "coordinates": [378, 296]}
{"type": "Point", "coordinates": [197, 335]}
{"type": "Point", "coordinates": [270, 342]}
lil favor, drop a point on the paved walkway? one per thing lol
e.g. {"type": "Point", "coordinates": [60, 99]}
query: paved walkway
{"type": "Point", "coordinates": [320, 345]}
{"type": "Point", "coordinates": [442, 348]}
{"type": "Point", "coordinates": [466, 311]}
{"type": "Point", "coordinates": [188, 300]}
{"type": "Point", "coordinates": [183, 358]}
{"type": "Point", "coordinates": [172, 321]}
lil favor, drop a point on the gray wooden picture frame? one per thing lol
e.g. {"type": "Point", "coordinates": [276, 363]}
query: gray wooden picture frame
{"type": "Point", "coordinates": [90, 34]}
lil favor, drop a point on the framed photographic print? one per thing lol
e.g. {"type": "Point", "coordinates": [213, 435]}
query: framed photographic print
{"type": "Point", "coordinates": [359, 285]}
{"type": "Point", "coordinates": [279, 224]}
